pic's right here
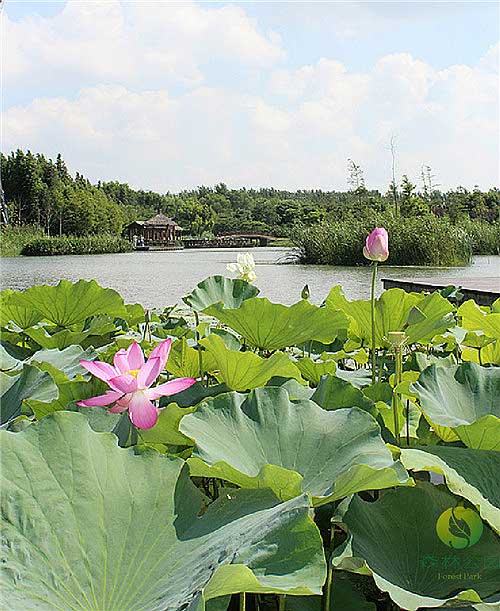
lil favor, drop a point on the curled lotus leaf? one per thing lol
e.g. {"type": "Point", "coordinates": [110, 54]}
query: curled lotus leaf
{"type": "Point", "coordinates": [219, 289]}
{"type": "Point", "coordinates": [464, 398]}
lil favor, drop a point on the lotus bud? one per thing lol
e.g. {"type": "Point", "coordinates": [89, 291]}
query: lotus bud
{"type": "Point", "coordinates": [377, 245]}
{"type": "Point", "coordinates": [306, 293]}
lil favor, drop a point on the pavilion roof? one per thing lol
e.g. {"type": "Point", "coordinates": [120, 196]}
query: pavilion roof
{"type": "Point", "coordinates": [160, 220]}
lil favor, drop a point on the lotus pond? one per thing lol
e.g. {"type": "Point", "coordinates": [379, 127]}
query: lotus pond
{"type": "Point", "coordinates": [172, 274]}
{"type": "Point", "coordinates": [258, 459]}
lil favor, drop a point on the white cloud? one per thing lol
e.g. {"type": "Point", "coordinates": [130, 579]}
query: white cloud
{"type": "Point", "coordinates": [137, 44]}
{"type": "Point", "coordinates": [491, 59]}
{"type": "Point", "coordinates": [146, 108]}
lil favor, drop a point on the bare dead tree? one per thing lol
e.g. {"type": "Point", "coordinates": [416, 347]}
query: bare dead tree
{"type": "Point", "coordinates": [356, 180]}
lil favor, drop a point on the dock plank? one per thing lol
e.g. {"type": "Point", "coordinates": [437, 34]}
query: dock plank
{"type": "Point", "coordinates": [484, 290]}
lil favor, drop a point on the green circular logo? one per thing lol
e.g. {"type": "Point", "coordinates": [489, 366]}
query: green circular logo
{"type": "Point", "coordinates": [459, 527]}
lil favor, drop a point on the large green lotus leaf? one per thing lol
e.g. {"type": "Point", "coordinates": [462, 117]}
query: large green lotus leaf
{"type": "Point", "coordinates": [63, 364]}
{"type": "Point", "coordinates": [30, 383]}
{"type": "Point", "coordinates": [100, 419]}
{"type": "Point", "coordinates": [166, 430]}
{"type": "Point", "coordinates": [69, 304]}
{"type": "Point", "coordinates": [231, 341]}
{"type": "Point", "coordinates": [489, 354]}
{"type": "Point", "coordinates": [7, 361]}
{"type": "Point", "coordinates": [431, 316]}
{"type": "Point", "coordinates": [395, 310]}
{"type": "Point", "coordinates": [69, 392]}
{"type": "Point", "coordinates": [218, 289]}
{"type": "Point", "coordinates": [58, 340]}
{"type": "Point", "coordinates": [89, 526]}
{"type": "Point", "coordinates": [420, 361]}
{"type": "Point", "coordinates": [23, 316]}
{"type": "Point", "coordinates": [295, 389]}
{"type": "Point", "coordinates": [135, 314]}
{"type": "Point", "coordinates": [312, 371]}
{"type": "Point", "coordinates": [194, 395]}
{"type": "Point", "coordinates": [357, 377]}
{"type": "Point", "coordinates": [473, 318]}
{"type": "Point", "coordinates": [264, 439]}
{"type": "Point", "coordinates": [246, 370]}
{"type": "Point", "coordinates": [476, 339]}
{"type": "Point", "coordinates": [54, 338]}
{"type": "Point", "coordinates": [397, 538]}
{"type": "Point", "coordinates": [359, 356]}
{"type": "Point", "coordinates": [10, 343]}
{"type": "Point", "coordinates": [472, 474]}
{"type": "Point", "coordinates": [184, 361]}
{"type": "Point", "coordinates": [391, 312]}
{"type": "Point", "coordinates": [335, 393]}
{"type": "Point", "coordinates": [465, 398]}
{"type": "Point", "coordinates": [65, 369]}
{"type": "Point", "coordinates": [272, 326]}
{"type": "Point", "coordinates": [483, 434]}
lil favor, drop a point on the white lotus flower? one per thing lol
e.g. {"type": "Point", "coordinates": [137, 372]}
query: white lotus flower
{"type": "Point", "coordinates": [244, 267]}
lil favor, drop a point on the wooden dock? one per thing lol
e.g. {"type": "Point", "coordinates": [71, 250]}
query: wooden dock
{"type": "Point", "coordinates": [484, 291]}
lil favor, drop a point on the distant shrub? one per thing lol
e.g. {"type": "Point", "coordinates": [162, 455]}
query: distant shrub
{"type": "Point", "coordinates": [424, 240]}
{"type": "Point", "coordinates": [485, 237]}
{"type": "Point", "coordinates": [85, 245]}
{"type": "Point", "coordinates": [14, 238]}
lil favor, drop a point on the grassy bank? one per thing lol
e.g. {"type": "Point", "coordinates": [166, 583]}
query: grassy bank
{"type": "Point", "coordinates": [85, 245]}
{"type": "Point", "coordinates": [14, 239]}
{"type": "Point", "coordinates": [413, 241]}
{"type": "Point", "coordinates": [32, 240]}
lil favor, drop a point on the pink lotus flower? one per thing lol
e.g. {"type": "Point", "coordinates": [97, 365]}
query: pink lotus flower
{"type": "Point", "coordinates": [130, 379]}
{"type": "Point", "coordinates": [377, 245]}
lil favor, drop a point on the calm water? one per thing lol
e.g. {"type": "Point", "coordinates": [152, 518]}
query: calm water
{"type": "Point", "coordinates": [157, 279]}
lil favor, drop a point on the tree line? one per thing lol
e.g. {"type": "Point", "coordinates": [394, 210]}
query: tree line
{"type": "Point", "coordinates": [40, 191]}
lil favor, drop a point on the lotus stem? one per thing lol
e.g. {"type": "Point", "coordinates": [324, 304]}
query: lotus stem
{"type": "Point", "coordinates": [327, 590]}
{"type": "Point", "coordinates": [200, 355]}
{"type": "Point", "coordinates": [382, 365]}
{"type": "Point", "coordinates": [133, 435]}
{"type": "Point", "coordinates": [327, 594]}
{"type": "Point", "coordinates": [243, 601]}
{"type": "Point", "coordinates": [374, 356]}
{"type": "Point", "coordinates": [281, 602]}
{"type": "Point", "coordinates": [398, 354]}
{"type": "Point", "coordinates": [407, 422]}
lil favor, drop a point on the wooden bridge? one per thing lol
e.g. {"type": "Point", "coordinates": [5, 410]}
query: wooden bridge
{"type": "Point", "coordinates": [230, 240]}
{"type": "Point", "coordinates": [261, 239]}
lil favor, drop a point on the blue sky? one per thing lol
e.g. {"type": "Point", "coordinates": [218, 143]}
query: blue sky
{"type": "Point", "coordinates": [169, 95]}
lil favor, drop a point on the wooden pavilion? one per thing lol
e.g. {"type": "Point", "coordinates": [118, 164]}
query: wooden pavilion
{"type": "Point", "coordinates": [160, 230]}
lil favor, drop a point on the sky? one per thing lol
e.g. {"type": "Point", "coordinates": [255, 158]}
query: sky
{"type": "Point", "coordinates": [169, 95]}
